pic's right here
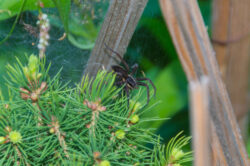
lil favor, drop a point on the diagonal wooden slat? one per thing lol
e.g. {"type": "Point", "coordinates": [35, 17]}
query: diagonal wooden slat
{"type": "Point", "coordinates": [191, 40]}
{"type": "Point", "coordinates": [199, 98]}
{"type": "Point", "coordinates": [116, 31]}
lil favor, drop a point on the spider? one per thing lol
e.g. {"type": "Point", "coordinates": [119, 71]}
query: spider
{"type": "Point", "coordinates": [125, 77]}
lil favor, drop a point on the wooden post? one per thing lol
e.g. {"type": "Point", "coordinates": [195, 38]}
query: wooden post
{"type": "Point", "coordinates": [117, 30]}
{"type": "Point", "coordinates": [191, 40]}
{"type": "Point", "coordinates": [231, 41]}
{"type": "Point", "coordinates": [199, 100]}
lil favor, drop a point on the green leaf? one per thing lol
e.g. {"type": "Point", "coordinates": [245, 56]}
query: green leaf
{"type": "Point", "coordinates": [152, 9]}
{"type": "Point", "coordinates": [63, 7]}
{"type": "Point", "coordinates": [169, 92]}
{"type": "Point", "coordinates": [82, 36]}
{"type": "Point", "coordinates": [206, 8]}
{"type": "Point", "coordinates": [10, 8]}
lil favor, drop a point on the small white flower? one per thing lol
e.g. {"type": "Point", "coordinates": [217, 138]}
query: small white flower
{"type": "Point", "coordinates": [43, 27]}
{"type": "Point", "coordinates": [44, 16]}
{"type": "Point", "coordinates": [41, 40]}
{"type": "Point", "coordinates": [40, 46]}
{"type": "Point", "coordinates": [38, 22]}
{"type": "Point", "coordinates": [47, 36]}
{"type": "Point", "coordinates": [47, 24]}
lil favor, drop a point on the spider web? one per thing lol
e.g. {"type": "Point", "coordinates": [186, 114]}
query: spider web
{"type": "Point", "coordinates": [61, 53]}
{"type": "Point", "coordinates": [151, 47]}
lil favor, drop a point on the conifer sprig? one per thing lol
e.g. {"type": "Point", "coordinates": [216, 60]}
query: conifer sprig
{"type": "Point", "coordinates": [47, 123]}
{"type": "Point", "coordinates": [172, 154]}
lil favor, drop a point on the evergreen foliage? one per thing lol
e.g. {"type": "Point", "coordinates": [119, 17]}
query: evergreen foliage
{"type": "Point", "coordinates": [47, 123]}
{"type": "Point", "coordinates": [172, 154]}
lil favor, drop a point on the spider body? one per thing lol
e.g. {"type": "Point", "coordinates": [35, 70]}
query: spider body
{"type": "Point", "coordinates": [125, 77]}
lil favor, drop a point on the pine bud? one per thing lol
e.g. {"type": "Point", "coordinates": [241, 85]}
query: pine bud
{"type": "Point", "coordinates": [136, 105]}
{"type": "Point", "coordinates": [39, 75]}
{"type": "Point", "coordinates": [7, 106]}
{"type": "Point", "coordinates": [33, 64]}
{"type": "Point", "coordinates": [96, 155]}
{"type": "Point", "coordinates": [120, 134]}
{"type": "Point", "coordinates": [31, 72]}
{"type": "Point", "coordinates": [8, 129]}
{"type": "Point", "coordinates": [26, 71]}
{"type": "Point", "coordinates": [15, 137]}
{"type": "Point", "coordinates": [2, 140]}
{"type": "Point", "coordinates": [177, 154]}
{"type": "Point", "coordinates": [104, 163]}
{"type": "Point", "coordinates": [51, 130]}
{"type": "Point", "coordinates": [134, 119]}
{"type": "Point", "coordinates": [34, 97]}
{"type": "Point", "coordinates": [24, 93]}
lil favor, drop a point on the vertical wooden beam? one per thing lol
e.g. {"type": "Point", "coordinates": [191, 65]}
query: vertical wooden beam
{"type": "Point", "coordinates": [191, 40]}
{"type": "Point", "coordinates": [200, 121]}
{"type": "Point", "coordinates": [116, 31]}
{"type": "Point", "coordinates": [231, 41]}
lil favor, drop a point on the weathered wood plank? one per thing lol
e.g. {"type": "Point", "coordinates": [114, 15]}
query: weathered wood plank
{"type": "Point", "coordinates": [191, 40]}
{"type": "Point", "coordinates": [231, 41]}
{"type": "Point", "coordinates": [200, 121]}
{"type": "Point", "coordinates": [117, 29]}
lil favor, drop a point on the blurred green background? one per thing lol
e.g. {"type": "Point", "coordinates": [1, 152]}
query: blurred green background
{"type": "Point", "coordinates": [151, 47]}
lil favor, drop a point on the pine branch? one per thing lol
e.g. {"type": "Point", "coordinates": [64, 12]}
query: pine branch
{"type": "Point", "coordinates": [47, 123]}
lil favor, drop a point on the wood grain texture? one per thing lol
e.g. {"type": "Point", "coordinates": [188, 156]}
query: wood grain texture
{"type": "Point", "coordinates": [195, 51]}
{"type": "Point", "coordinates": [199, 99]}
{"type": "Point", "coordinates": [116, 31]}
{"type": "Point", "coordinates": [231, 41]}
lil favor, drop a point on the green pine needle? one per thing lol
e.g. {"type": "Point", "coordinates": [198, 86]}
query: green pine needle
{"type": "Point", "coordinates": [90, 124]}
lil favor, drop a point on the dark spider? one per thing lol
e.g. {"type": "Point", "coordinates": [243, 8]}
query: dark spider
{"type": "Point", "coordinates": [124, 77]}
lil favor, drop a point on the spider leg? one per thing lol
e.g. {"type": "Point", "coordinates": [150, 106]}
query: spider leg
{"type": "Point", "coordinates": [127, 93]}
{"type": "Point", "coordinates": [119, 69]}
{"type": "Point", "coordinates": [119, 56]}
{"type": "Point", "coordinates": [147, 79]}
{"type": "Point", "coordinates": [146, 85]}
{"type": "Point", "coordinates": [134, 68]}
{"type": "Point", "coordinates": [120, 83]}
